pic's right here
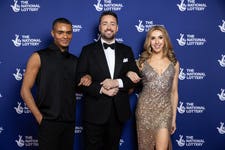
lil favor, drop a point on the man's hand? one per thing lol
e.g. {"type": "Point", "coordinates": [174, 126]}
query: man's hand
{"type": "Point", "coordinates": [110, 84]}
{"type": "Point", "coordinates": [86, 80]}
{"type": "Point", "coordinates": [110, 92]}
{"type": "Point", "coordinates": [133, 76]}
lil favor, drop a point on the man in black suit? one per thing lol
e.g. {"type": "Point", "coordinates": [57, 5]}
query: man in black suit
{"type": "Point", "coordinates": [106, 100]}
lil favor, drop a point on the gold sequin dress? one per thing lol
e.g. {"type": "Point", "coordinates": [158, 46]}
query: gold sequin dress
{"type": "Point", "coordinates": [154, 108]}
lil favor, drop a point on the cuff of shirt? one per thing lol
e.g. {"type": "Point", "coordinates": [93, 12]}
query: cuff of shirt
{"type": "Point", "coordinates": [120, 83]}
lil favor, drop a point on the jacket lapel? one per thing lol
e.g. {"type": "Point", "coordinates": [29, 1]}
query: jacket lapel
{"type": "Point", "coordinates": [101, 59]}
{"type": "Point", "coordinates": [118, 61]}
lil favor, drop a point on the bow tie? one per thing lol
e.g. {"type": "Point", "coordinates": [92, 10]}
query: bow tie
{"type": "Point", "coordinates": [112, 46]}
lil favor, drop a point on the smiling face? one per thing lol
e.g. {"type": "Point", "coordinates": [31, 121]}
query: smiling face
{"type": "Point", "coordinates": [62, 34]}
{"type": "Point", "coordinates": [108, 27]}
{"type": "Point", "coordinates": [157, 41]}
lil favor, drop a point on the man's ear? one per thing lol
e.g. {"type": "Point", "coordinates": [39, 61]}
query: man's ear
{"type": "Point", "coordinates": [52, 33]}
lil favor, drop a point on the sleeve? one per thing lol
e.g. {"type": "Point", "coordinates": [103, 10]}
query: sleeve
{"type": "Point", "coordinates": [127, 83]}
{"type": "Point", "coordinates": [83, 69]}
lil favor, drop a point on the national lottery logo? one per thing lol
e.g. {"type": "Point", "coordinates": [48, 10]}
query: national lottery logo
{"type": "Point", "coordinates": [222, 61]}
{"type": "Point", "coordinates": [191, 5]}
{"type": "Point", "coordinates": [121, 142]}
{"type": "Point", "coordinates": [120, 40]}
{"type": "Point", "coordinates": [221, 128]}
{"type": "Point", "coordinates": [15, 7]}
{"type": "Point", "coordinates": [140, 27]}
{"type": "Point", "coordinates": [77, 28]}
{"type": "Point", "coordinates": [190, 108]}
{"type": "Point", "coordinates": [24, 6]}
{"type": "Point", "coordinates": [221, 95]}
{"type": "Point", "coordinates": [19, 108]}
{"type": "Point", "coordinates": [1, 130]}
{"type": "Point", "coordinates": [78, 129]}
{"type": "Point", "coordinates": [18, 75]}
{"type": "Point", "coordinates": [20, 141]}
{"type": "Point", "coordinates": [189, 141]}
{"type": "Point", "coordinates": [181, 41]}
{"type": "Point", "coordinates": [181, 109]}
{"type": "Point", "coordinates": [181, 141]}
{"type": "Point", "coordinates": [22, 109]}
{"type": "Point", "coordinates": [190, 40]}
{"type": "Point", "coordinates": [25, 40]}
{"type": "Point", "coordinates": [79, 96]}
{"type": "Point", "coordinates": [27, 141]}
{"type": "Point", "coordinates": [191, 74]}
{"type": "Point", "coordinates": [144, 26]}
{"type": "Point", "coordinates": [17, 41]}
{"type": "Point", "coordinates": [107, 5]}
{"type": "Point", "coordinates": [222, 27]}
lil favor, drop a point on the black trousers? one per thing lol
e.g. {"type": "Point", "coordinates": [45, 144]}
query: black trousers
{"type": "Point", "coordinates": [56, 135]}
{"type": "Point", "coordinates": [103, 136]}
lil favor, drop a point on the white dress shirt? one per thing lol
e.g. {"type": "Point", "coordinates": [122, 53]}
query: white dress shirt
{"type": "Point", "coordinates": [110, 58]}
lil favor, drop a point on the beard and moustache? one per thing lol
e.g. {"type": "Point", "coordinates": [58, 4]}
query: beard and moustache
{"type": "Point", "coordinates": [106, 37]}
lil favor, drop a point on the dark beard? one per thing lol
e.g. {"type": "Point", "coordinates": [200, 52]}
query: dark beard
{"type": "Point", "coordinates": [108, 38]}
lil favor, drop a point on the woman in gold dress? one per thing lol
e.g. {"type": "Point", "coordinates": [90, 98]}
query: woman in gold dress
{"type": "Point", "coordinates": [157, 102]}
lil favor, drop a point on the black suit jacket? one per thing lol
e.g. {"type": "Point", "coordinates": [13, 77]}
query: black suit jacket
{"type": "Point", "coordinates": [92, 61]}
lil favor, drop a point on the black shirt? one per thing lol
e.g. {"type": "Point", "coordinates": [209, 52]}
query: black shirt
{"type": "Point", "coordinates": [56, 83]}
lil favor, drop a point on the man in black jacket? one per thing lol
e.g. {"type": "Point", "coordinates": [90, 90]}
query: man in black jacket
{"type": "Point", "coordinates": [106, 100]}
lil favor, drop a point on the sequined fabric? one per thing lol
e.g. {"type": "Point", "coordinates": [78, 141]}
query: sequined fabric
{"type": "Point", "coordinates": [154, 108]}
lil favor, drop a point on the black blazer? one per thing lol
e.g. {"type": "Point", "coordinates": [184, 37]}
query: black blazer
{"type": "Point", "coordinates": [92, 61]}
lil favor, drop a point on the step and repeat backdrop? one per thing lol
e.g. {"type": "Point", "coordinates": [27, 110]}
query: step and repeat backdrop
{"type": "Point", "coordinates": [197, 31]}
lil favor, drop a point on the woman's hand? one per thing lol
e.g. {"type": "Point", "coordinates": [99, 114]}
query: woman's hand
{"type": "Point", "coordinates": [86, 80]}
{"type": "Point", "coordinates": [173, 127]}
{"type": "Point", "coordinates": [133, 76]}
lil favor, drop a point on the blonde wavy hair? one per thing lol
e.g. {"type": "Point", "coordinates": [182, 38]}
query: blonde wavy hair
{"type": "Point", "coordinates": [147, 50]}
